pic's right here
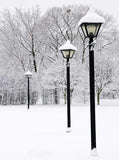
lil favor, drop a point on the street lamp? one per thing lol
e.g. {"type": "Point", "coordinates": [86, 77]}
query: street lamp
{"type": "Point", "coordinates": [90, 25]}
{"type": "Point", "coordinates": [68, 51]}
{"type": "Point", "coordinates": [28, 75]}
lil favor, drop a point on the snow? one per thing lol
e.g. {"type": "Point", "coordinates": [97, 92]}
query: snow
{"type": "Point", "coordinates": [28, 74]}
{"type": "Point", "coordinates": [68, 46]}
{"type": "Point", "coordinates": [40, 133]}
{"type": "Point", "coordinates": [94, 152]}
{"type": "Point", "coordinates": [91, 17]}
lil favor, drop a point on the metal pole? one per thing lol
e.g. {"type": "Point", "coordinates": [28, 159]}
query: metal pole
{"type": "Point", "coordinates": [68, 94]}
{"type": "Point", "coordinates": [28, 94]}
{"type": "Point", "coordinates": [92, 94]}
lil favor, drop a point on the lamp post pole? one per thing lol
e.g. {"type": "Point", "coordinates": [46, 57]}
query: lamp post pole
{"type": "Point", "coordinates": [28, 75]}
{"type": "Point", "coordinates": [68, 95]}
{"type": "Point", "coordinates": [90, 25]}
{"type": "Point", "coordinates": [68, 51]}
{"type": "Point", "coordinates": [28, 94]}
{"type": "Point", "coordinates": [92, 94]}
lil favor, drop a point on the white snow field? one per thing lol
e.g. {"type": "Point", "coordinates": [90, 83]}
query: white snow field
{"type": "Point", "coordinates": [40, 132]}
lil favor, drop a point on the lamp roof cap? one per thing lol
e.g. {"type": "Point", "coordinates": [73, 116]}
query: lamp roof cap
{"type": "Point", "coordinates": [68, 46]}
{"type": "Point", "coordinates": [28, 74]}
{"type": "Point", "coordinates": [91, 17]}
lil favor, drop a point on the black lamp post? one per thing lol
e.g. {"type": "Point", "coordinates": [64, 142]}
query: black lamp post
{"type": "Point", "coordinates": [28, 75]}
{"type": "Point", "coordinates": [90, 25]}
{"type": "Point", "coordinates": [68, 51]}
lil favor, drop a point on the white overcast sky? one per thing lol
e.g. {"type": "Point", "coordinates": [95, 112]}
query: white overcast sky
{"type": "Point", "coordinates": [107, 6]}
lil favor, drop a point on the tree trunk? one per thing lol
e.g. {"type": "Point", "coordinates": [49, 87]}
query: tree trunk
{"type": "Point", "coordinates": [83, 54]}
{"type": "Point", "coordinates": [33, 54]}
{"type": "Point", "coordinates": [65, 98]}
{"type": "Point", "coordinates": [56, 96]}
{"type": "Point", "coordinates": [98, 98]}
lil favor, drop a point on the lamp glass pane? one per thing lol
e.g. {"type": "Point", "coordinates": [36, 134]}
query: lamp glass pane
{"type": "Point", "coordinates": [93, 29]}
{"type": "Point", "coordinates": [68, 53]}
{"type": "Point", "coordinates": [65, 53]}
{"type": "Point", "coordinates": [97, 29]}
{"type": "Point", "coordinates": [84, 30]}
{"type": "Point", "coordinates": [71, 53]}
{"type": "Point", "coordinates": [28, 75]}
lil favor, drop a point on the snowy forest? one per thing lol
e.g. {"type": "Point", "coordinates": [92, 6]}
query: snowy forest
{"type": "Point", "coordinates": [30, 40]}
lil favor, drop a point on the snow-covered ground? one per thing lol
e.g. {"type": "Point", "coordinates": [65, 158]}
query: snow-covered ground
{"type": "Point", "coordinates": [40, 132]}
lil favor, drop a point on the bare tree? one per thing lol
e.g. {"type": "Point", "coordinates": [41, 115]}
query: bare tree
{"type": "Point", "coordinates": [61, 24]}
{"type": "Point", "coordinates": [20, 37]}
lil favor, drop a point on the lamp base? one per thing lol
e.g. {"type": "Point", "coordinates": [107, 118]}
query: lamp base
{"type": "Point", "coordinates": [68, 130]}
{"type": "Point", "coordinates": [94, 152]}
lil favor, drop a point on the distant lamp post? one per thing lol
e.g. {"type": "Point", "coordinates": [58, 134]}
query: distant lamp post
{"type": "Point", "coordinates": [90, 25]}
{"type": "Point", "coordinates": [68, 51]}
{"type": "Point", "coordinates": [28, 75]}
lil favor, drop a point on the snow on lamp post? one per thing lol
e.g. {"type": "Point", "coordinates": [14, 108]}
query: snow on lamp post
{"type": "Point", "coordinates": [68, 51]}
{"type": "Point", "coordinates": [90, 25]}
{"type": "Point", "coordinates": [28, 75]}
